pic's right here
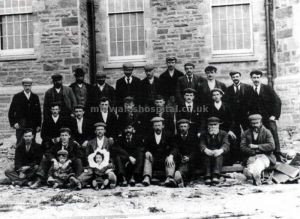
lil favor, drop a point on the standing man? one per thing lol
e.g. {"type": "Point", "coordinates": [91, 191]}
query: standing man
{"type": "Point", "coordinates": [150, 86]}
{"type": "Point", "coordinates": [213, 144]}
{"type": "Point", "coordinates": [25, 111]}
{"type": "Point", "coordinates": [209, 84]}
{"type": "Point", "coordinates": [27, 158]}
{"type": "Point", "coordinates": [102, 89]}
{"type": "Point", "coordinates": [189, 80]}
{"type": "Point", "coordinates": [169, 80]}
{"type": "Point", "coordinates": [82, 90]}
{"type": "Point", "coordinates": [265, 101]}
{"type": "Point", "coordinates": [128, 85]}
{"type": "Point", "coordinates": [59, 93]}
{"type": "Point", "coordinates": [257, 144]}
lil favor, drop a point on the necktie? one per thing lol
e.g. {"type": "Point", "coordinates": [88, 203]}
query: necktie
{"type": "Point", "coordinates": [256, 90]}
{"type": "Point", "coordinates": [189, 81]}
{"type": "Point", "coordinates": [236, 89]}
{"type": "Point", "coordinates": [27, 148]}
{"type": "Point", "coordinates": [127, 81]}
{"type": "Point", "coordinates": [190, 108]}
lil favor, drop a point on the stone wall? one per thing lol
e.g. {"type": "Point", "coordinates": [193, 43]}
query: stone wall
{"type": "Point", "coordinates": [287, 84]}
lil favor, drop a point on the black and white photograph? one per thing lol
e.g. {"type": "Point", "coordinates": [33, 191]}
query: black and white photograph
{"type": "Point", "coordinates": [168, 109]}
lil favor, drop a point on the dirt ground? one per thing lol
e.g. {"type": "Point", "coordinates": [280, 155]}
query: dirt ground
{"type": "Point", "coordinates": [234, 198]}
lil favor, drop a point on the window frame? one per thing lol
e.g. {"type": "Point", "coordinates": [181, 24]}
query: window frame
{"type": "Point", "coordinates": [233, 52]}
{"type": "Point", "coordinates": [22, 51]}
{"type": "Point", "coordinates": [131, 58]}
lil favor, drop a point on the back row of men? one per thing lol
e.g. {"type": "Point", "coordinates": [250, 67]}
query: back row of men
{"type": "Point", "coordinates": [173, 96]}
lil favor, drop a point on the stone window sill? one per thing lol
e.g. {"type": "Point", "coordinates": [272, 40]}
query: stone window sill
{"type": "Point", "coordinates": [228, 59]}
{"type": "Point", "coordinates": [18, 57]}
{"type": "Point", "coordinates": [115, 65]}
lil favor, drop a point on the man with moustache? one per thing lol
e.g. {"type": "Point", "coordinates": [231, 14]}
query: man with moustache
{"type": "Point", "coordinates": [25, 111]}
{"type": "Point", "coordinates": [189, 80]}
{"type": "Point", "coordinates": [102, 89]}
{"type": "Point", "coordinates": [257, 144]}
{"type": "Point", "coordinates": [128, 85]}
{"type": "Point", "coordinates": [169, 80]}
{"type": "Point", "coordinates": [59, 93]}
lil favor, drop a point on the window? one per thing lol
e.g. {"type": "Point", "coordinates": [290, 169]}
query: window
{"type": "Point", "coordinates": [16, 27]}
{"type": "Point", "coordinates": [231, 27]}
{"type": "Point", "coordinates": [126, 29]}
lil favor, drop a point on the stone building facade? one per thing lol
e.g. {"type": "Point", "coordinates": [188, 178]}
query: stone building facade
{"type": "Point", "coordinates": [99, 35]}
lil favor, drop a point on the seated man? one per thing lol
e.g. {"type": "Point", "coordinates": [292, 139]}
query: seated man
{"type": "Point", "coordinates": [214, 143]}
{"type": "Point", "coordinates": [183, 152]}
{"type": "Point", "coordinates": [258, 145]}
{"type": "Point", "coordinates": [50, 156]}
{"type": "Point", "coordinates": [27, 158]}
{"type": "Point", "coordinates": [129, 157]}
{"type": "Point", "coordinates": [157, 149]}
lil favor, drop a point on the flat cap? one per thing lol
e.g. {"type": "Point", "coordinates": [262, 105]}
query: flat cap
{"type": "Point", "coordinates": [218, 90]}
{"type": "Point", "coordinates": [157, 119]}
{"type": "Point", "coordinates": [65, 129]}
{"type": "Point", "coordinates": [234, 73]}
{"type": "Point", "coordinates": [210, 68]}
{"type": "Point", "coordinates": [128, 65]}
{"type": "Point", "coordinates": [189, 91]}
{"type": "Point", "coordinates": [56, 77]}
{"type": "Point", "coordinates": [55, 104]}
{"type": "Point", "coordinates": [100, 75]}
{"type": "Point", "coordinates": [99, 124]}
{"type": "Point", "coordinates": [171, 58]}
{"type": "Point", "coordinates": [183, 121]}
{"type": "Point", "coordinates": [189, 64]}
{"type": "Point", "coordinates": [149, 67]}
{"type": "Point", "coordinates": [128, 99]}
{"type": "Point", "coordinates": [213, 120]}
{"type": "Point", "coordinates": [62, 152]}
{"type": "Point", "coordinates": [26, 130]}
{"type": "Point", "coordinates": [27, 81]}
{"type": "Point", "coordinates": [254, 117]}
{"type": "Point", "coordinates": [255, 72]}
{"type": "Point", "coordinates": [78, 106]}
{"type": "Point", "coordinates": [159, 97]}
{"type": "Point", "coordinates": [78, 72]}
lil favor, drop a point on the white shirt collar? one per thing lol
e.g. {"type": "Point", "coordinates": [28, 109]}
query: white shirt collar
{"type": "Point", "coordinates": [101, 86]}
{"type": "Point", "coordinates": [80, 85]}
{"type": "Point", "coordinates": [218, 105]}
{"type": "Point", "coordinates": [100, 143]}
{"type": "Point", "coordinates": [258, 88]}
{"type": "Point", "coordinates": [27, 95]}
{"type": "Point", "coordinates": [104, 116]}
{"type": "Point", "coordinates": [151, 80]}
{"type": "Point", "coordinates": [157, 137]}
{"type": "Point", "coordinates": [130, 79]}
{"type": "Point", "coordinates": [57, 90]}
{"type": "Point", "coordinates": [55, 118]}
{"type": "Point", "coordinates": [171, 73]}
{"type": "Point", "coordinates": [189, 104]}
{"type": "Point", "coordinates": [211, 84]}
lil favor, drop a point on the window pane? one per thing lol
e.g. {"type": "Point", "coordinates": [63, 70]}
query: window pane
{"type": "Point", "coordinates": [112, 33]}
{"type": "Point", "coordinates": [222, 13]}
{"type": "Point", "coordinates": [24, 42]}
{"type": "Point", "coordinates": [238, 12]}
{"type": "Point", "coordinates": [120, 34]}
{"type": "Point", "coordinates": [112, 21]}
{"type": "Point", "coordinates": [215, 13]}
{"type": "Point", "coordinates": [132, 5]}
{"type": "Point", "coordinates": [231, 41]}
{"type": "Point", "coordinates": [247, 41]}
{"type": "Point", "coordinates": [10, 42]}
{"type": "Point", "coordinates": [15, 4]}
{"type": "Point", "coordinates": [246, 26]}
{"type": "Point", "coordinates": [119, 20]}
{"type": "Point", "coordinates": [133, 19]}
{"type": "Point", "coordinates": [246, 11]}
{"type": "Point", "coordinates": [140, 18]}
{"type": "Point", "coordinates": [30, 41]}
{"type": "Point", "coordinates": [133, 33]}
{"type": "Point", "coordinates": [223, 42]}
{"type": "Point", "coordinates": [140, 4]}
{"type": "Point", "coordinates": [134, 48]}
{"type": "Point", "coordinates": [120, 49]}
{"type": "Point", "coordinates": [127, 49]}
{"type": "Point", "coordinates": [141, 33]}
{"type": "Point", "coordinates": [126, 34]}
{"type": "Point", "coordinates": [239, 26]}
{"type": "Point", "coordinates": [17, 42]}
{"type": "Point", "coordinates": [239, 41]}
{"type": "Point", "coordinates": [8, 4]}
{"type": "Point", "coordinates": [125, 5]}
{"type": "Point", "coordinates": [111, 5]}
{"type": "Point", "coordinates": [113, 49]}
{"type": "Point", "coordinates": [17, 28]}
{"type": "Point", "coordinates": [118, 6]}
{"type": "Point", "coordinates": [223, 27]}
{"type": "Point", "coordinates": [216, 30]}
{"type": "Point", "coordinates": [216, 43]}
{"type": "Point", "coordinates": [21, 3]}
{"type": "Point", "coordinates": [141, 47]}
{"type": "Point", "coordinates": [126, 19]}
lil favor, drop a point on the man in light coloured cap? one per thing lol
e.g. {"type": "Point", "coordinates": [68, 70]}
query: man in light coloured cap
{"type": "Point", "coordinates": [257, 144]}
{"type": "Point", "coordinates": [25, 111]}
{"type": "Point", "coordinates": [213, 144]}
{"type": "Point", "coordinates": [102, 89]}
{"type": "Point", "coordinates": [150, 86]}
{"type": "Point", "coordinates": [128, 85]}
{"type": "Point", "coordinates": [157, 149]}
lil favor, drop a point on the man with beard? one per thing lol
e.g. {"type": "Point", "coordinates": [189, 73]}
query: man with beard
{"type": "Point", "coordinates": [25, 111]}
{"type": "Point", "coordinates": [102, 89]}
{"type": "Point", "coordinates": [169, 80]}
{"type": "Point", "coordinates": [59, 93]}
{"type": "Point", "coordinates": [128, 85]}
{"type": "Point", "coordinates": [157, 149]}
{"type": "Point", "coordinates": [183, 152]}
{"type": "Point", "coordinates": [210, 83]}
{"type": "Point", "coordinates": [27, 158]}
{"type": "Point", "coordinates": [189, 80]}
{"type": "Point", "coordinates": [213, 144]}
{"type": "Point", "coordinates": [265, 101]}
{"type": "Point", "coordinates": [238, 99]}
{"type": "Point", "coordinates": [82, 90]}
{"type": "Point", "coordinates": [65, 143]}
{"type": "Point", "coordinates": [257, 144]}
{"type": "Point", "coordinates": [150, 86]}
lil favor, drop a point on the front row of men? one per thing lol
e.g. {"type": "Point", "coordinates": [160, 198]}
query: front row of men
{"type": "Point", "coordinates": [103, 162]}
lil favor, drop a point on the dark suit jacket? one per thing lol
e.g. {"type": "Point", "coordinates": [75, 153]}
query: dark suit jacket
{"type": "Point", "coordinates": [25, 112]}
{"type": "Point", "coordinates": [182, 84]}
{"type": "Point", "coordinates": [30, 158]}
{"type": "Point", "coordinates": [108, 91]}
{"type": "Point", "coordinates": [87, 130]}
{"type": "Point", "coordinates": [168, 121]}
{"type": "Point", "coordinates": [111, 123]}
{"type": "Point", "coordinates": [51, 130]}
{"type": "Point", "coordinates": [205, 95]}
{"type": "Point", "coordinates": [73, 150]}
{"type": "Point", "coordinates": [89, 94]}
{"type": "Point", "coordinates": [265, 143]}
{"type": "Point", "coordinates": [239, 103]}
{"type": "Point", "coordinates": [137, 119]}
{"type": "Point", "coordinates": [168, 84]}
{"type": "Point", "coordinates": [92, 145]}
{"type": "Point", "coordinates": [185, 147]}
{"type": "Point", "coordinates": [222, 141]}
{"type": "Point", "coordinates": [267, 103]}
{"type": "Point", "coordinates": [194, 117]}
{"type": "Point", "coordinates": [123, 90]}
{"type": "Point", "coordinates": [148, 91]}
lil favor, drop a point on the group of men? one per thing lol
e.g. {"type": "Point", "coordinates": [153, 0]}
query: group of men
{"type": "Point", "coordinates": [171, 124]}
